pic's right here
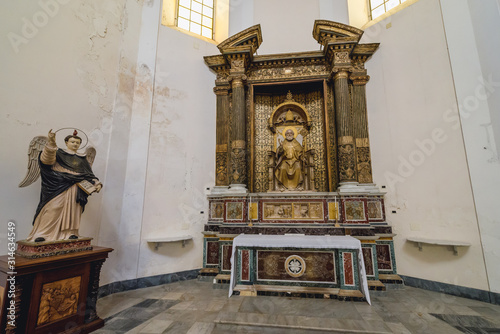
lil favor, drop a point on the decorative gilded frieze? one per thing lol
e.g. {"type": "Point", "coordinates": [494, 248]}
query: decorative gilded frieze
{"type": "Point", "coordinates": [281, 73]}
{"type": "Point", "coordinates": [364, 165]}
{"type": "Point", "coordinates": [238, 162]}
{"type": "Point", "coordinates": [347, 163]}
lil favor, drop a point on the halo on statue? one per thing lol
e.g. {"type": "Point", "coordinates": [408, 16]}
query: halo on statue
{"type": "Point", "coordinates": [289, 128]}
{"type": "Point", "coordinates": [69, 131]}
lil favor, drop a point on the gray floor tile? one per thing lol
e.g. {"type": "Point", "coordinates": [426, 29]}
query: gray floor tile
{"type": "Point", "coordinates": [195, 307]}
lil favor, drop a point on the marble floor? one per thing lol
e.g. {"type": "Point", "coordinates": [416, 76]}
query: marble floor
{"type": "Point", "coordinates": [199, 307]}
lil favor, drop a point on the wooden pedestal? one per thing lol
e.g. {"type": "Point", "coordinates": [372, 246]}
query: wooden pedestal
{"type": "Point", "coordinates": [56, 294]}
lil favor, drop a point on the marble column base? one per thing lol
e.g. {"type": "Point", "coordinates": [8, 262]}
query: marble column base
{"type": "Point", "coordinates": [238, 189]}
{"type": "Point", "coordinates": [346, 188]}
{"type": "Point", "coordinates": [219, 190]}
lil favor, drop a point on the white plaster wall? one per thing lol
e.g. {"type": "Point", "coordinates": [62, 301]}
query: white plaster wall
{"type": "Point", "coordinates": [286, 24]}
{"type": "Point", "coordinates": [59, 64]}
{"type": "Point", "coordinates": [123, 201]}
{"type": "Point", "coordinates": [181, 159]}
{"type": "Point", "coordinates": [417, 147]}
{"type": "Point", "coordinates": [472, 31]}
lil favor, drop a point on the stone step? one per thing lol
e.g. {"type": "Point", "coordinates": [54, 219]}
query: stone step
{"type": "Point", "coordinates": [299, 291]}
{"type": "Point", "coordinates": [376, 285]}
{"type": "Point", "coordinates": [222, 279]}
{"type": "Point", "coordinates": [293, 324]}
{"type": "Point", "coordinates": [390, 278]}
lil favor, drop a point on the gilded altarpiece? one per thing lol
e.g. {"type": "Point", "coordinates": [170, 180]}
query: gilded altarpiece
{"type": "Point", "coordinates": [264, 140]}
{"type": "Point", "coordinates": [293, 157]}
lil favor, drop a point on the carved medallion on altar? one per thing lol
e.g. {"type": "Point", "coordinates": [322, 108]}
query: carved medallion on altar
{"type": "Point", "coordinates": [293, 157]}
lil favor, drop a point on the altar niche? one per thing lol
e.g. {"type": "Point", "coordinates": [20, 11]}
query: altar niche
{"type": "Point", "coordinates": [292, 150]}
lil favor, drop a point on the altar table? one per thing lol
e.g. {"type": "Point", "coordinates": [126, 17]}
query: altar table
{"type": "Point", "coordinates": [341, 250]}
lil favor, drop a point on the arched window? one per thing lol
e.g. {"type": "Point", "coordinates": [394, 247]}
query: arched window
{"type": "Point", "coordinates": [196, 16]}
{"type": "Point", "coordinates": [205, 19]}
{"type": "Point", "coordinates": [379, 7]}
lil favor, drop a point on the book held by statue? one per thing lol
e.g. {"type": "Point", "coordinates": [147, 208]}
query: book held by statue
{"type": "Point", "coordinates": [86, 186]}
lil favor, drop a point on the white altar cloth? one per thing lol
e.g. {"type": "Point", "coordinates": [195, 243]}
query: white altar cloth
{"type": "Point", "coordinates": [301, 241]}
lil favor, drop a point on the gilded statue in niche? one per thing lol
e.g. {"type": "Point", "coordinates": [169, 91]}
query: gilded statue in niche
{"type": "Point", "coordinates": [291, 163]}
{"type": "Point", "coordinates": [311, 138]}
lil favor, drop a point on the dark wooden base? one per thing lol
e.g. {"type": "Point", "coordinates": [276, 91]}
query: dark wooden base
{"type": "Point", "coordinates": [55, 294]}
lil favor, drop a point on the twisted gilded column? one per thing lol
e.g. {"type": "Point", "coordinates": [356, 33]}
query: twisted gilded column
{"type": "Point", "coordinates": [222, 135]}
{"type": "Point", "coordinates": [360, 121]}
{"type": "Point", "coordinates": [238, 173]}
{"type": "Point", "coordinates": [345, 133]}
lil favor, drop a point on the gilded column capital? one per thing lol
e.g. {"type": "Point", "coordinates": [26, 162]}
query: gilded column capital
{"type": "Point", "coordinates": [237, 80]}
{"type": "Point", "coordinates": [221, 90]}
{"type": "Point", "coordinates": [359, 80]}
{"type": "Point", "coordinates": [341, 74]}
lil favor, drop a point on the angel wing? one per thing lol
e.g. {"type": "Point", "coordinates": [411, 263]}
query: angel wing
{"type": "Point", "coordinates": [90, 153]}
{"type": "Point", "coordinates": [36, 146]}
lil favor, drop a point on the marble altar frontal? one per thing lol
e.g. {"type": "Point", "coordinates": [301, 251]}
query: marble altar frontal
{"type": "Point", "coordinates": [293, 158]}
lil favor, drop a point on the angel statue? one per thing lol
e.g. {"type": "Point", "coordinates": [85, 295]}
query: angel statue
{"type": "Point", "coordinates": [67, 181]}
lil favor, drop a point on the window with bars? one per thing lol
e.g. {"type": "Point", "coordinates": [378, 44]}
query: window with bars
{"type": "Point", "coordinates": [196, 16]}
{"type": "Point", "coordinates": [379, 7]}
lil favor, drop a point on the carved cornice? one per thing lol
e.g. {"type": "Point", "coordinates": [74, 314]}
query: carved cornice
{"type": "Point", "coordinates": [341, 52]}
{"type": "Point", "coordinates": [250, 37]}
{"type": "Point", "coordinates": [328, 31]}
{"type": "Point", "coordinates": [365, 50]}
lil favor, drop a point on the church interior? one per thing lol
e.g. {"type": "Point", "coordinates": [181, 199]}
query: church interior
{"type": "Point", "coordinates": [292, 167]}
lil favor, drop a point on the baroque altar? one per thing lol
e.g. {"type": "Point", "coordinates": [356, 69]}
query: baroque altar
{"type": "Point", "coordinates": [293, 157]}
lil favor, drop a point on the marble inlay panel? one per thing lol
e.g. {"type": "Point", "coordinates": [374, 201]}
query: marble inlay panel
{"type": "Point", "coordinates": [368, 259]}
{"type": "Point", "coordinates": [234, 211]}
{"type": "Point", "coordinates": [375, 210]}
{"type": "Point", "coordinates": [293, 211]}
{"type": "Point", "coordinates": [217, 210]}
{"type": "Point", "coordinates": [245, 265]}
{"type": "Point", "coordinates": [213, 252]}
{"type": "Point", "coordinates": [354, 210]}
{"type": "Point", "coordinates": [348, 269]}
{"type": "Point", "coordinates": [384, 257]}
{"type": "Point", "coordinates": [319, 266]}
{"type": "Point", "coordinates": [226, 257]}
